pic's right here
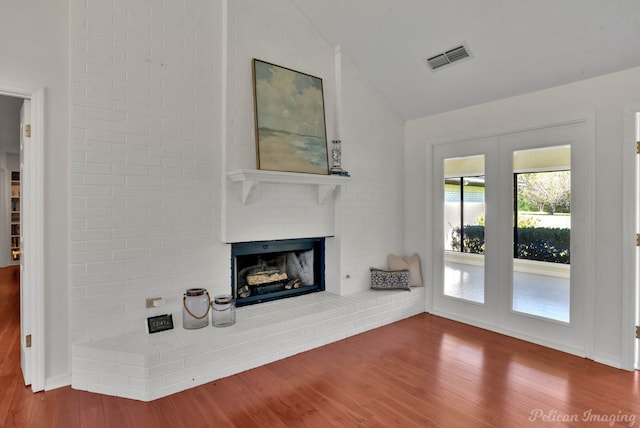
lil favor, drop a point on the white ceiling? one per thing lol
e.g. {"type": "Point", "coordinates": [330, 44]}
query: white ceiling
{"type": "Point", "coordinates": [518, 46]}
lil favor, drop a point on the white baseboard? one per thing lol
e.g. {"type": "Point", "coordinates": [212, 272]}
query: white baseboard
{"type": "Point", "coordinates": [515, 334]}
{"type": "Point", "coordinates": [57, 382]}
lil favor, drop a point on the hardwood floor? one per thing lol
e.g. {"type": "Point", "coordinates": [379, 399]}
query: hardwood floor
{"type": "Point", "coordinates": [423, 371]}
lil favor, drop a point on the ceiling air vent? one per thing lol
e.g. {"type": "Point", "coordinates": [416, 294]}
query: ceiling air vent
{"type": "Point", "coordinates": [448, 57]}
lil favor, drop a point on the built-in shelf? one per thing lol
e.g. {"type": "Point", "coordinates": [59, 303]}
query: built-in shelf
{"type": "Point", "coordinates": [250, 179]}
{"type": "Point", "coordinates": [15, 217]}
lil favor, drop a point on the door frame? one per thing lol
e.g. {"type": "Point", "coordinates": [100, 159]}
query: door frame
{"type": "Point", "coordinates": [630, 275]}
{"type": "Point", "coordinates": [32, 203]}
{"type": "Point", "coordinates": [586, 118]}
{"type": "Point", "coordinates": [5, 205]}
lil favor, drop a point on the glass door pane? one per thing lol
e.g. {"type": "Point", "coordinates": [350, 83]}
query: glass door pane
{"type": "Point", "coordinates": [464, 223]}
{"type": "Point", "coordinates": [541, 232]}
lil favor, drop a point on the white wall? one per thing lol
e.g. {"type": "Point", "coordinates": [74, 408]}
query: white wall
{"type": "Point", "coordinates": [159, 113]}
{"type": "Point", "coordinates": [370, 209]}
{"type": "Point", "coordinates": [606, 96]}
{"type": "Point", "coordinates": [10, 124]}
{"type": "Point", "coordinates": [13, 161]}
{"type": "Point", "coordinates": [34, 52]}
{"type": "Point", "coordinates": [144, 153]}
{"type": "Point", "coordinates": [262, 30]}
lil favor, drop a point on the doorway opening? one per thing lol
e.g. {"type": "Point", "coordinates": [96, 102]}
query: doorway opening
{"type": "Point", "coordinates": [30, 253]}
{"type": "Point", "coordinates": [541, 232]}
{"type": "Point", "coordinates": [500, 263]}
{"type": "Point", "coordinates": [14, 112]}
{"type": "Point", "coordinates": [10, 111]}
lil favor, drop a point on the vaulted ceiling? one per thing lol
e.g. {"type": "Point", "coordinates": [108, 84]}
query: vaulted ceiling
{"type": "Point", "coordinates": [516, 46]}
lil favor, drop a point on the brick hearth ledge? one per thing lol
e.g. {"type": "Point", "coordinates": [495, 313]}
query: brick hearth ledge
{"type": "Point", "coordinates": [146, 367]}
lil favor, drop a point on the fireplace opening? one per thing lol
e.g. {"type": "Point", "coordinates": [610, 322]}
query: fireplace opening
{"type": "Point", "coordinates": [268, 270]}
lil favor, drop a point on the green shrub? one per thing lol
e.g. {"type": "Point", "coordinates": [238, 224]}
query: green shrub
{"type": "Point", "coordinates": [534, 243]}
{"type": "Point", "coordinates": [544, 244]}
{"type": "Point", "coordinates": [473, 239]}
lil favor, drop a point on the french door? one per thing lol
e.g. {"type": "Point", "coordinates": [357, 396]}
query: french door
{"type": "Point", "coordinates": [512, 238]}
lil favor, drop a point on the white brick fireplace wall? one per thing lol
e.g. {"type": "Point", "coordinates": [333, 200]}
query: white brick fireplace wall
{"type": "Point", "coordinates": [145, 181]}
{"type": "Point", "coordinates": [366, 216]}
{"type": "Point", "coordinates": [161, 110]}
{"type": "Point", "coordinates": [279, 211]}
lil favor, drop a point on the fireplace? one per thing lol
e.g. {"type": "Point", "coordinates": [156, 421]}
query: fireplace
{"type": "Point", "coordinates": [268, 270]}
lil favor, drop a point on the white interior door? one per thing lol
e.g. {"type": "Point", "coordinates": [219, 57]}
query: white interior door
{"type": "Point", "coordinates": [500, 306]}
{"type": "Point", "coordinates": [25, 293]}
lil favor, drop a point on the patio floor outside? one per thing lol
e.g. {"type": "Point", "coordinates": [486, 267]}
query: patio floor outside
{"type": "Point", "coordinates": [539, 295]}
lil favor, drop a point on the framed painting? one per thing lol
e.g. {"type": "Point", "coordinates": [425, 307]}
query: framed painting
{"type": "Point", "coordinates": [291, 133]}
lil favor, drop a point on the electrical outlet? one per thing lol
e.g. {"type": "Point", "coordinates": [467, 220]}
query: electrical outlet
{"type": "Point", "coordinates": [151, 301]}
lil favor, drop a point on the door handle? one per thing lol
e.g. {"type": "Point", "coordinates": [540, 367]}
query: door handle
{"type": "Point", "coordinates": [15, 254]}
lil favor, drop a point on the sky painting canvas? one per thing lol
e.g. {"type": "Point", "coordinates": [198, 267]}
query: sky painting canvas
{"type": "Point", "coordinates": [291, 134]}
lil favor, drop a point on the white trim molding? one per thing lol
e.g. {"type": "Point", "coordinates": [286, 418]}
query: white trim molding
{"type": "Point", "coordinates": [629, 310]}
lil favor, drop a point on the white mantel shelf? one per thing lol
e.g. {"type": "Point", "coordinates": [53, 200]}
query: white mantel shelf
{"type": "Point", "coordinates": [251, 179]}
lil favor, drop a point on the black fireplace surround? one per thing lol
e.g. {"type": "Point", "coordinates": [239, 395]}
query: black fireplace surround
{"type": "Point", "coordinates": [262, 271]}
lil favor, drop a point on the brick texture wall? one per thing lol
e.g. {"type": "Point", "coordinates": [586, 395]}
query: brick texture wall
{"type": "Point", "coordinates": [263, 30]}
{"type": "Point", "coordinates": [145, 169]}
{"type": "Point", "coordinates": [156, 123]}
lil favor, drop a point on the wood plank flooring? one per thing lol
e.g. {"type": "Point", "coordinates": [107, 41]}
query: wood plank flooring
{"type": "Point", "coordinates": [420, 372]}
